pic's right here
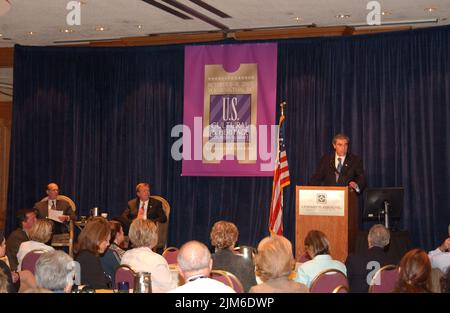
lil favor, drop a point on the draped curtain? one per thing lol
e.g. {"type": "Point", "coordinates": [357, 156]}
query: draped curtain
{"type": "Point", "coordinates": [98, 120]}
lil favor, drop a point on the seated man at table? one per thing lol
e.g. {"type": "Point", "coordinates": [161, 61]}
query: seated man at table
{"type": "Point", "coordinates": [142, 207]}
{"type": "Point", "coordinates": [361, 267]}
{"type": "Point", "coordinates": [195, 264]}
{"type": "Point", "coordinates": [60, 207]}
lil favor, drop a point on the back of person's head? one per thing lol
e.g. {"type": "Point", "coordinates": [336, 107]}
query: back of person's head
{"type": "Point", "coordinates": [224, 235]}
{"type": "Point", "coordinates": [115, 227]}
{"type": "Point", "coordinates": [194, 256]}
{"type": "Point", "coordinates": [379, 236]}
{"type": "Point", "coordinates": [55, 271]}
{"type": "Point", "coordinates": [445, 281]}
{"type": "Point", "coordinates": [143, 233]}
{"type": "Point", "coordinates": [3, 282]}
{"type": "Point", "coordinates": [414, 272]}
{"type": "Point", "coordinates": [22, 216]}
{"type": "Point", "coordinates": [316, 243]}
{"type": "Point", "coordinates": [41, 231]}
{"type": "Point", "coordinates": [96, 230]}
{"type": "Point", "coordinates": [274, 258]}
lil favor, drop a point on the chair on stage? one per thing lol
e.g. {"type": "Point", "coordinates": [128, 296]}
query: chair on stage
{"type": "Point", "coordinates": [163, 228]}
{"type": "Point", "coordinates": [384, 279]}
{"type": "Point", "coordinates": [124, 273]}
{"type": "Point", "coordinates": [171, 254]}
{"type": "Point", "coordinates": [66, 239]}
{"type": "Point", "coordinates": [327, 281]}
{"type": "Point", "coordinates": [30, 259]}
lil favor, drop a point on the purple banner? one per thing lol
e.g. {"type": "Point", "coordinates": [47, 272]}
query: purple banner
{"type": "Point", "coordinates": [229, 110]}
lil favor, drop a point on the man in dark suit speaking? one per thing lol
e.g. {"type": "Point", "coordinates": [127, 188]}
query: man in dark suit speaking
{"type": "Point", "coordinates": [143, 207]}
{"type": "Point", "coordinates": [340, 168]}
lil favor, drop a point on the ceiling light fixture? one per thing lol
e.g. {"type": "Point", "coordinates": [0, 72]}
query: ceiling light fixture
{"type": "Point", "coordinates": [31, 33]}
{"type": "Point", "coordinates": [430, 9]}
{"type": "Point", "coordinates": [67, 30]}
{"type": "Point", "coordinates": [100, 28]}
{"type": "Point", "coordinates": [139, 26]}
{"type": "Point", "coordinates": [384, 13]}
{"type": "Point", "coordinates": [298, 19]}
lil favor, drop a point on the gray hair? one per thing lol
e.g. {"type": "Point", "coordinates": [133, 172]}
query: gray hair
{"type": "Point", "coordinates": [379, 236]}
{"type": "Point", "coordinates": [54, 270]}
{"type": "Point", "coordinates": [193, 256]}
{"type": "Point", "coordinates": [341, 136]}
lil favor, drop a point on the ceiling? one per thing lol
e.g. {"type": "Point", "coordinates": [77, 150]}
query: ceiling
{"type": "Point", "coordinates": [43, 22]}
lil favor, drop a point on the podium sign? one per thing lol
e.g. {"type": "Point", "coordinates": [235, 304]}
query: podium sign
{"type": "Point", "coordinates": [332, 210]}
{"type": "Point", "coordinates": [322, 202]}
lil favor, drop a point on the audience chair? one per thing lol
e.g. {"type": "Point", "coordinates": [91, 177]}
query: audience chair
{"type": "Point", "coordinates": [64, 240]}
{"type": "Point", "coordinates": [30, 259]}
{"type": "Point", "coordinates": [327, 281]}
{"type": "Point", "coordinates": [384, 279]}
{"type": "Point", "coordinates": [222, 276]}
{"type": "Point", "coordinates": [124, 273]}
{"type": "Point", "coordinates": [340, 289]}
{"type": "Point", "coordinates": [237, 285]}
{"type": "Point", "coordinates": [171, 254]}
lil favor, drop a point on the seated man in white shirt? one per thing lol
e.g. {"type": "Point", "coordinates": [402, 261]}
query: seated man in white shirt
{"type": "Point", "coordinates": [440, 257]}
{"type": "Point", "coordinates": [195, 264]}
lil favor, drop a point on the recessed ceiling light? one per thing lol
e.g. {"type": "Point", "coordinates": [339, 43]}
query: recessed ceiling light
{"type": "Point", "coordinates": [430, 9]}
{"type": "Point", "coordinates": [342, 16]}
{"type": "Point", "coordinates": [1, 35]}
{"type": "Point", "coordinates": [31, 33]}
{"type": "Point", "coordinates": [384, 13]}
{"type": "Point", "coordinates": [139, 26]}
{"type": "Point", "coordinates": [67, 30]}
{"type": "Point", "coordinates": [298, 19]}
{"type": "Point", "coordinates": [100, 28]}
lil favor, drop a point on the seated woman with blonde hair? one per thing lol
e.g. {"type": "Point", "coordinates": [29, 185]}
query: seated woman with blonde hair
{"type": "Point", "coordinates": [144, 237]}
{"type": "Point", "coordinates": [274, 263]}
{"type": "Point", "coordinates": [318, 248]}
{"type": "Point", "coordinates": [39, 234]}
{"type": "Point", "coordinates": [223, 237]}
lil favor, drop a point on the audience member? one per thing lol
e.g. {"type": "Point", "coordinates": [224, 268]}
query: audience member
{"type": "Point", "coordinates": [113, 255]}
{"type": "Point", "coordinates": [274, 263]}
{"type": "Point", "coordinates": [414, 273]}
{"type": "Point", "coordinates": [93, 241]}
{"type": "Point", "coordinates": [360, 266]}
{"type": "Point", "coordinates": [39, 234]}
{"type": "Point", "coordinates": [17, 281]}
{"type": "Point", "coordinates": [318, 248]}
{"type": "Point", "coordinates": [195, 264]}
{"type": "Point", "coordinates": [144, 236]}
{"type": "Point", "coordinates": [55, 271]}
{"type": "Point", "coordinates": [4, 282]}
{"type": "Point", "coordinates": [440, 257]}
{"type": "Point", "coordinates": [445, 282]}
{"type": "Point", "coordinates": [26, 219]}
{"type": "Point", "coordinates": [223, 237]}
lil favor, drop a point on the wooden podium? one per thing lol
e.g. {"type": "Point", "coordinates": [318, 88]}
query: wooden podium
{"type": "Point", "coordinates": [332, 210]}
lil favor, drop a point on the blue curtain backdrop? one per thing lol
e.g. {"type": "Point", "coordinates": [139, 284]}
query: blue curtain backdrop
{"type": "Point", "coordinates": [99, 120]}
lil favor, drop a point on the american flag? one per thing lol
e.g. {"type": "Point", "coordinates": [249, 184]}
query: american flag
{"type": "Point", "coordinates": [280, 180]}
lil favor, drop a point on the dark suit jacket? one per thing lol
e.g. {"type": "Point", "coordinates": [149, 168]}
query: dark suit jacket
{"type": "Point", "coordinates": [357, 267]}
{"type": "Point", "coordinates": [61, 205]}
{"type": "Point", "coordinates": [352, 170]}
{"type": "Point", "coordinates": [242, 268]}
{"type": "Point", "coordinates": [154, 210]}
{"type": "Point", "coordinates": [92, 273]}
{"type": "Point", "coordinates": [12, 246]}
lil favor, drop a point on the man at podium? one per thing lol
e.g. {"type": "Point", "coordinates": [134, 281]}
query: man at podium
{"type": "Point", "coordinates": [340, 168]}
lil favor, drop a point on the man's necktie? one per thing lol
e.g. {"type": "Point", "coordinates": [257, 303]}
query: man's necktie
{"type": "Point", "coordinates": [339, 168]}
{"type": "Point", "coordinates": [141, 212]}
{"type": "Point", "coordinates": [53, 205]}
